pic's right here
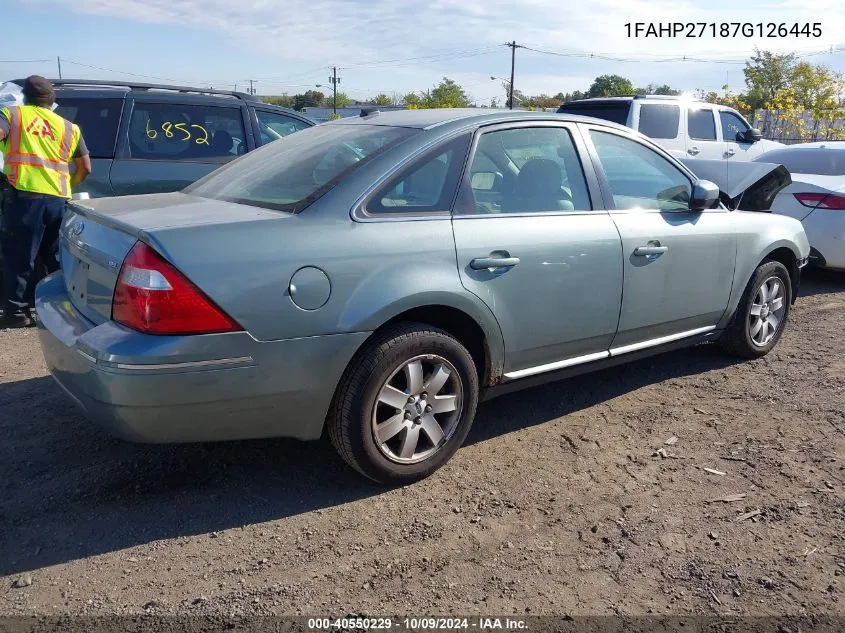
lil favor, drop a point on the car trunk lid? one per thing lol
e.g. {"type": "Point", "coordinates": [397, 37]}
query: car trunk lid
{"type": "Point", "coordinates": [745, 185]}
{"type": "Point", "coordinates": [96, 236]}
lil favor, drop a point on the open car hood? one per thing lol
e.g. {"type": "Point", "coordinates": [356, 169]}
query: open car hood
{"type": "Point", "coordinates": [744, 185]}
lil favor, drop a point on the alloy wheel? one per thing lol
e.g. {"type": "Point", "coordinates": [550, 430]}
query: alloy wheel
{"type": "Point", "coordinates": [767, 311]}
{"type": "Point", "coordinates": [417, 409]}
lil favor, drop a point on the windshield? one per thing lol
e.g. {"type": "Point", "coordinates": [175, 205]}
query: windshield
{"type": "Point", "coordinates": [824, 161]}
{"type": "Point", "coordinates": [291, 173]}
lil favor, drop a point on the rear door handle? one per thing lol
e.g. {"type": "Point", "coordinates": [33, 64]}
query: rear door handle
{"type": "Point", "coordinates": [482, 263]}
{"type": "Point", "coordinates": [645, 251]}
{"type": "Point", "coordinates": [730, 152]}
{"type": "Point", "coordinates": [693, 151]}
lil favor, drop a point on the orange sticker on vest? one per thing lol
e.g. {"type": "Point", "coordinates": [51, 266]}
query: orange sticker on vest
{"type": "Point", "coordinates": [40, 127]}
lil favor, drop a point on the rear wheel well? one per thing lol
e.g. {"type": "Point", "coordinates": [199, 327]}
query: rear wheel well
{"type": "Point", "coordinates": [786, 257]}
{"type": "Point", "coordinates": [457, 323]}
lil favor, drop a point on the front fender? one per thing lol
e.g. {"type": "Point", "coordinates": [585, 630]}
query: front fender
{"type": "Point", "coordinates": [759, 235]}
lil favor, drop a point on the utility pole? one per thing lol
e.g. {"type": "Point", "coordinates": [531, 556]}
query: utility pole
{"type": "Point", "coordinates": [251, 88]}
{"type": "Point", "coordinates": [333, 80]}
{"type": "Point", "coordinates": [59, 62]}
{"type": "Point", "coordinates": [513, 46]}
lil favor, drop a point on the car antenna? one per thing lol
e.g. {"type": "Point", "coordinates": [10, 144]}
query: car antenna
{"type": "Point", "coordinates": [369, 111]}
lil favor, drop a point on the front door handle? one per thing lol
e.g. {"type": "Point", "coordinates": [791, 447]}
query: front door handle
{"type": "Point", "coordinates": [693, 151]}
{"type": "Point", "coordinates": [482, 263]}
{"type": "Point", "coordinates": [730, 153]}
{"type": "Point", "coordinates": [645, 251]}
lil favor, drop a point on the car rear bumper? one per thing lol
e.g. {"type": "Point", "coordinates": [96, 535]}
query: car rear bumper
{"type": "Point", "coordinates": [826, 232]}
{"type": "Point", "coordinates": [187, 389]}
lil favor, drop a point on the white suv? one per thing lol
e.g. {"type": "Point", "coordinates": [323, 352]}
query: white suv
{"type": "Point", "coordinates": [686, 128]}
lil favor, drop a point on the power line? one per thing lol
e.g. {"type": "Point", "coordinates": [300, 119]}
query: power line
{"type": "Point", "coordinates": [656, 59]}
{"type": "Point", "coordinates": [425, 58]}
{"type": "Point", "coordinates": [513, 46]}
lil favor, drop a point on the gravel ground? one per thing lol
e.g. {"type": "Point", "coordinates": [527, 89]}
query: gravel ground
{"type": "Point", "coordinates": [587, 496]}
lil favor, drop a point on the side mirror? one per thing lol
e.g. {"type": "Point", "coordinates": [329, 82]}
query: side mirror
{"type": "Point", "coordinates": [751, 135]}
{"type": "Point", "coordinates": [705, 195]}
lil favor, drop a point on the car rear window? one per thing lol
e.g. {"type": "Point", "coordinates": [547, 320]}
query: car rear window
{"type": "Point", "coordinates": [615, 112]}
{"type": "Point", "coordinates": [97, 120]}
{"type": "Point", "coordinates": [823, 161]}
{"type": "Point", "coordinates": [659, 120]}
{"type": "Point", "coordinates": [292, 172]}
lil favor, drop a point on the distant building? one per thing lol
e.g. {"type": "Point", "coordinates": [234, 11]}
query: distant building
{"type": "Point", "coordinates": [324, 114]}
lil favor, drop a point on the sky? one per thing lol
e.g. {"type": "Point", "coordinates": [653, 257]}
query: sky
{"type": "Point", "coordinates": [398, 46]}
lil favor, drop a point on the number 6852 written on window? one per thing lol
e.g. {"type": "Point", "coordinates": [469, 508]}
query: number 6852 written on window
{"type": "Point", "coordinates": [180, 132]}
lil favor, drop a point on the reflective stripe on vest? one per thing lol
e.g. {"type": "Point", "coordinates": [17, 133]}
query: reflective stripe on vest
{"type": "Point", "coordinates": [24, 165]}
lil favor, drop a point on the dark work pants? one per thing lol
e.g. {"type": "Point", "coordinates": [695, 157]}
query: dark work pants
{"type": "Point", "coordinates": [29, 228]}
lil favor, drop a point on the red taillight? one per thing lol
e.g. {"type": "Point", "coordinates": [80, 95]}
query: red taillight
{"type": "Point", "coordinates": [821, 200]}
{"type": "Point", "coordinates": [151, 296]}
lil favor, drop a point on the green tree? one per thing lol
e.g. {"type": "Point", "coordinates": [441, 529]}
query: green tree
{"type": "Point", "coordinates": [766, 73]}
{"type": "Point", "coordinates": [343, 100]}
{"type": "Point", "coordinates": [286, 101]}
{"type": "Point", "coordinates": [412, 100]}
{"type": "Point", "coordinates": [610, 86]}
{"type": "Point", "coordinates": [816, 88]}
{"type": "Point", "coordinates": [654, 89]}
{"type": "Point", "coordinates": [381, 100]}
{"type": "Point", "coordinates": [565, 97]}
{"type": "Point", "coordinates": [447, 94]}
{"type": "Point", "coordinates": [737, 102]}
{"type": "Point", "coordinates": [308, 99]}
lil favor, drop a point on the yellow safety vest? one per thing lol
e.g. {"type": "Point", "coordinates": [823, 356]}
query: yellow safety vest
{"type": "Point", "coordinates": [37, 150]}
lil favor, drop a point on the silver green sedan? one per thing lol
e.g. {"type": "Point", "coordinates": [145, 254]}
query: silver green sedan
{"type": "Point", "coordinates": [374, 278]}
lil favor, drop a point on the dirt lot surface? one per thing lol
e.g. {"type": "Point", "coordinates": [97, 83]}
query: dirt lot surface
{"type": "Point", "coordinates": [559, 503]}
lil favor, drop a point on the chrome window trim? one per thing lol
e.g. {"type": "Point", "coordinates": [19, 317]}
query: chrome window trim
{"type": "Point", "coordinates": [527, 214]}
{"type": "Point", "coordinates": [357, 212]}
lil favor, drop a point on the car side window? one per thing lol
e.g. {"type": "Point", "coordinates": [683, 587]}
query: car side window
{"type": "Point", "coordinates": [701, 124]}
{"type": "Point", "coordinates": [639, 177]}
{"type": "Point", "coordinates": [273, 125]}
{"type": "Point", "coordinates": [733, 127]}
{"type": "Point", "coordinates": [178, 132]}
{"type": "Point", "coordinates": [427, 185]}
{"type": "Point", "coordinates": [97, 119]}
{"type": "Point", "coordinates": [659, 120]}
{"type": "Point", "coordinates": [524, 170]}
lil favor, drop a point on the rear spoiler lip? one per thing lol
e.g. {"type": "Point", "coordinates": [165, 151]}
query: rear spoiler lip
{"type": "Point", "coordinates": [106, 220]}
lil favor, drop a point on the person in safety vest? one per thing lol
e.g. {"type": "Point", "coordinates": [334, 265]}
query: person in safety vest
{"type": "Point", "coordinates": [38, 146]}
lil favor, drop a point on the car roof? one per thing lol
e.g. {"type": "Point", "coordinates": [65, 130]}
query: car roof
{"type": "Point", "coordinates": [630, 98]}
{"type": "Point", "coordinates": [594, 99]}
{"type": "Point", "coordinates": [107, 89]}
{"type": "Point", "coordinates": [426, 119]}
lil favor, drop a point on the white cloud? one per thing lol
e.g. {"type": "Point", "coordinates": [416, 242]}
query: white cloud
{"type": "Point", "coordinates": [364, 30]}
{"type": "Point", "coordinates": [360, 35]}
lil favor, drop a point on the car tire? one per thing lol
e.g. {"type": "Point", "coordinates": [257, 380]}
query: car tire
{"type": "Point", "coordinates": [762, 312]}
{"type": "Point", "coordinates": [405, 404]}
